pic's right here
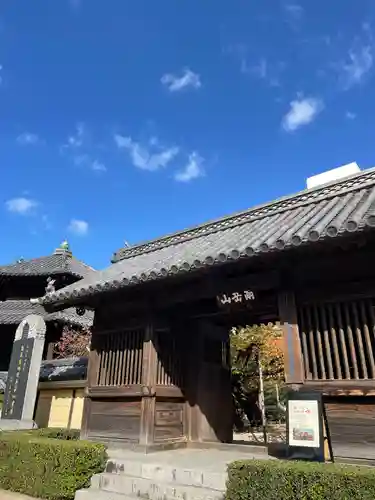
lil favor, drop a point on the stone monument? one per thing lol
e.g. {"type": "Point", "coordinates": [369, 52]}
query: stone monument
{"type": "Point", "coordinates": [23, 374]}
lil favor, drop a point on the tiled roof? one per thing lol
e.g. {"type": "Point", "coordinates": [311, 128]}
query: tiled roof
{"type": "Point", "coordinates": [3, 381]}
{"type": "Point", "coordinates": [12, 312]}
{"type": "Point", "coordinates": [56, 370]}
{"type": "Point", "coordinates": [326, 212]}
{"type": "Point", "coordinates": [63, 369]}
{"type": "Point", "coordinates": [60, 262]}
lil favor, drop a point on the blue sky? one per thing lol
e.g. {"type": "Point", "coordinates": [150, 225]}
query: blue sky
{"type": "Point", "coordinates": [128, 119]}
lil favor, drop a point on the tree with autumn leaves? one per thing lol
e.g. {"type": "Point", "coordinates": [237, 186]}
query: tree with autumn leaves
{"type": "Point", "coordinates": [254, 347]}
{"type": "Point", "coordinates": [73, 343]}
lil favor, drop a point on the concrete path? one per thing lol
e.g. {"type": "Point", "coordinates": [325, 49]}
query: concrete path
{"type": "Point", "coordinates": [8, 495]}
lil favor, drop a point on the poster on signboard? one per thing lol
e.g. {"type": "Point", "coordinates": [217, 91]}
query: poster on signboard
{"type": "Point", "coordinates": [304, 423]}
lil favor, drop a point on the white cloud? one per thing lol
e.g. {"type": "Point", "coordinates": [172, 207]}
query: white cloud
{"type": "Point", "coordinates": [294, 10]}
{"type": "Point", "coordinates": [76, 140]}
{"type": "Point", "coordinates": [176, 83]}
{"type": "Point", "coordinates": [357, 65]}
{"type": "Point", "coordinates": [47, 225]}
{"type": "Point", "coordinates": [302, 112]}
{"type": "Point", "coordinates": [86, 161]}
{"type": "Point", "coordinates": [78, 227]}
{"type": "Point", "coordinates": [27, 138]}
{"type": "Point", "coordinates": [350, 116]}
{"type": "Point", "coordinates": [294, 15]}
{"type": "Point", "coordinates": [358, 59]}
{"type": "Point", "coordinates": [192, 170]}
{"type": "Point", "coordinates": [81, 159]}
{"type": "Point", "coordinates": [142, 157]}
{"type": "Point", "coordinates": [261, 69]}
{"type": "Point", "coordinates": [76, 149]}
{"type": "Point", "coordinates": [239, 51]}
{"type": "Point", "coordinates": [98, 166]}
{"type": "Point", "coordinates": [21, 206]}
{"type": "Point", "coordinates": [264, 69]}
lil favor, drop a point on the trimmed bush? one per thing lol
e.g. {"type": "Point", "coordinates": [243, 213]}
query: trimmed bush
{"type": "Point", "coordinates": [56, 433]}
{"type": "Point", "coordinates": [274, 480]}
{"type": "Point", "coordinates": [47, 468]}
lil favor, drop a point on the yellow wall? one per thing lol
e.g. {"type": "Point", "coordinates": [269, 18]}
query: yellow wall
{"type": "Point", "coordinates": [76, 419]}
{"type": "Point", "coordinates": [61, 408]}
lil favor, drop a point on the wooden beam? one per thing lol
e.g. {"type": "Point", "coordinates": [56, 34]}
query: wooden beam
{"type": "Point", "coordinates": [180, 289]}
{"type": "Point", "coordinates": [61, 384]}
{"type": "Point", "coordinates": [294, 370]}
{"type": "Point", "coordinates": [168, 392]}
{"type": "Point", "coordinates": [342, 387]}
{"type": "Point", "coordinates": [50, 350]}
{"type": "Point", "coordinates": [93, 362]}
{"type": "Point", "coordinates": [108, 391]}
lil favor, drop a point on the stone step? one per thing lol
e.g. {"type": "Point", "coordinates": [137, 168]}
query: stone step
{"type": "Point", "coordinates": [153, 489]}
{"type": "Point", "coordinates": [167, 474]}
{"type": "Point", "coordinates": [93, 494]}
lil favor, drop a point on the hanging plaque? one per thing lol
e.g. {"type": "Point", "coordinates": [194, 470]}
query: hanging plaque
{"type": "Point", "coordinates": [236, 298]}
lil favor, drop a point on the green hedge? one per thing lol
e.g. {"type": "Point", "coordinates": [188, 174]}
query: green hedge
{"type": "Point", "coordinates": [47, 468]}
{"type": "Point", "coordinates": [274, 480]}
{"type": "Point", "coordinates": [56, 433]}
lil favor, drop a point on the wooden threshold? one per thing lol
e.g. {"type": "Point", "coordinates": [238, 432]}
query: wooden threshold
{"type": "Point", "coordinates": [341, 387]}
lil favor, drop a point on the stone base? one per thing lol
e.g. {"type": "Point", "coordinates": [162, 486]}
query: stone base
{"type": "Point", "coordinates": [8, 424]}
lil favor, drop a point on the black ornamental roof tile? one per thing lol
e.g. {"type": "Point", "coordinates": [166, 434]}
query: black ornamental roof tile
{"type": "Point", "coordinates": [325, 212]}
{"type": "Point", "coordinates": [12, 312]}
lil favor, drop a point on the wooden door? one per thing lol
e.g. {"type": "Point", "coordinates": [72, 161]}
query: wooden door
{"type": "Point", "coordinates": [214, 392]}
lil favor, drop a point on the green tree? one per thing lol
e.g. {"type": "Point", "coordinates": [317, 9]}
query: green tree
{"type": "Point", "coordinates": [251, 345]}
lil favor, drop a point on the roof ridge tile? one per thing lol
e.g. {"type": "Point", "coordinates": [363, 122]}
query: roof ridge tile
{"type": "Point", "coordinates": [305, 197]}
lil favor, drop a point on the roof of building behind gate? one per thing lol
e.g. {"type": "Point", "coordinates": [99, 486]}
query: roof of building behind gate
{"type": "Point", "coordinates": [60, 262]}
{"type": "Point", "coordinates": [12, 312]}
{"type": "Point", "coordinates": [326, 212]}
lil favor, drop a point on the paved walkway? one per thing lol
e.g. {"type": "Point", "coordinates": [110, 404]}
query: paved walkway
{"type": "Point", "coordinates": [8, 495]}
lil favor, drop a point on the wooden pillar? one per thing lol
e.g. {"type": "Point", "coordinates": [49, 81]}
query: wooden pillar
{"type": "Point", "coordinates": [294, 370]}
{"type": "Point", "coordinates": [194, 361]}
{"type": "Point", "coordinates": [146, 436]}
{"type": "Point", "coordinates": [92, 377]}
{"type": "Point", "coordinates": [50, 350]}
